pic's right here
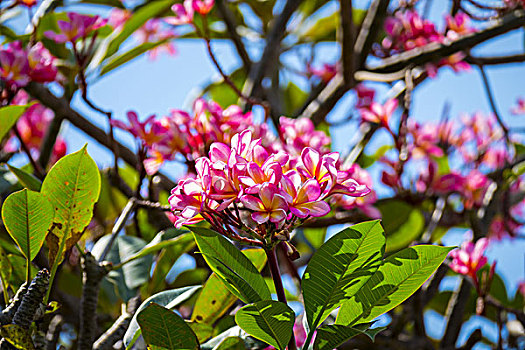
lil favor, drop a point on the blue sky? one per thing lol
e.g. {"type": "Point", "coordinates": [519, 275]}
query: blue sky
{"type": "Point", "coordinates": [154, 87]}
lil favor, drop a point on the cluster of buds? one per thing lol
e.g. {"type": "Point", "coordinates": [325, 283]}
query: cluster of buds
{"type": "Point", "coordinates": [406, 30]}
{"type": "Point", "coordinates": [19, 65]}
{"type": "Point", "coordinates": [242, 189]}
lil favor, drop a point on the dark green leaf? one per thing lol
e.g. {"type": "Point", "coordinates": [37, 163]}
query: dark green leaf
{"type": "Point", "coordinates": [403, 223]}
{"type": "Point", "coordinates": [397, 279]}
{"type": "Point", "coordinates": [170, 299]}
{"type": "Point", "coordinates": [26, 179]}
{"type": "Point", "coordinates": [234, 268]}
{"type": "Point", "coordinates": [268, 320]}
{"type": "Point", "coordinates": [340, 267]}
{"type": "Point", "coordinates": [9, 116]}
{"type": "Point", "coordinates": [165, 329]}
{"type": "Point", "coordinates": [215, 298]}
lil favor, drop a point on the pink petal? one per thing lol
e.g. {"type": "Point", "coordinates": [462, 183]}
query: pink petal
{"type": "Point", "coordinates": [252, 202]}
{"type": "Point", "coordinates": [261, 217]}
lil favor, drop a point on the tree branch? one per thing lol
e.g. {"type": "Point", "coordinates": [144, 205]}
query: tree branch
{"type": "Point", "coordinates": [455, 311]}
{"type": "Point", "coordinates": [231, 27]}
{"type": "Point", "coordinates": [347, 40]}
{"type": "Point", "coordinates": [436, 51]}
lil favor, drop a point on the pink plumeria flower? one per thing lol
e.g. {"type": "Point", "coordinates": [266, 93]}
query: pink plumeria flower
{"type": "Point", "coordinates": [325, 73]}
{"type": "Point", "coordinates": [271, 206]}
{"type": "Point", "coordinates": [140, 129]}
{"type": "Point", "coordinates": [118, 17]}
{"type": "Point", "coordinates": [14, 67]}
{"type": "Point", "coordinates": [321, 168]}
{"type": "Point", "coordinates": [78, 27]}
{"type": "Point", "coordinates": [270, 172]}
{"type": "Point", "coordinates": [304, 197]}
{"type": "Point", "coordinates": [378, 113]}
{"type": "Point", "coordinates": [474, 188]}
{"type": "Point", "coordinates": [468, 259]}
{"type": "Point", "coordinates": [458, 25]}
{"type": "Point", "coordinates": [203, 7]}
{"type": "Point", "coordinates": [183, 13]}
{"type": "Point", "coordinates": [153, 31]}
{"type": "Point", "coordinates": [300, 132]}
{"type": "Point", "coordinates": [519, 108]}
{"type": "Point", "coordinates": [365, 96]}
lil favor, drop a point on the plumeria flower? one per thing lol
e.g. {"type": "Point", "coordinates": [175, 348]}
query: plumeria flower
{"type": "Point", "coordinates": [183, 13]}
{"type": "Point", "coordinates": [378, 113]}
{"type": "Point", "coordinates": [78, 27]}
{"type": "Point", "coordinates": [140, 129]}
{"type": "Point", "coordinates": [304, 197]}
{"type": "Point", "coordinates": [153, 31]}
{"type": "Point", "coordinates": [300, 133]}
{"type": "Point", "coordinates": [365, 96]}
{"type": "Point", "coordinates": [519, 108]}
{"type": "Point", "coordinates": [468, 259]}
{"type": "Point", "coordinates": [18, 65]}
{"type": "Point", "coordinates": [325, 73]}
{"type": "Point", "coordinates": [118, 17]}
{"type": "Point", "coordinates": [203, 7]}
{"type": "Point", "coordinates": [270, 206]}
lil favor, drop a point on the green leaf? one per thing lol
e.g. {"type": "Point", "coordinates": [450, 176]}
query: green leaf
{"type": "Point", "coordinates": [268, 320]}
{"type": "Point", "coordinates": [403, 223]}
{"type": "Point", "coordinates": [366, 160]}
{"type": "Point", "coordinates": [169, 298]}
{"type": "Point", "coordinates": [9, 116]}
{"type": "Point", "coordinates": [330, 337]}
{"type": "Point", "coordinates": [234, 268]}
{"type": "Point", "coordinates": [112, 3]}
{"type": "Point", "coordinates": [131, 275]}
{"type": "Point", "coordinates": [158, 243]}
{"type": "Point", "coordinates": [294, 98]}
{"type": "Point", "coordinates": [119, 60]}
{"type": "Point", "coordinates": [26, 179]}
{"type": "Point", "coordinates": [340, 267]}
{"type": "Point", "coordinates": [72, 187]}
{"type": "Point", "coordinates": [215, 298]}
{"type": "Point", "coordinates": [397, 279]}
{"type": "Point", "coordinates": [202, 331]}
{"type": "Point", "coordinates": [5, 273]}
{"type": "Point", "coordinates": [27, 216]}
{"type": "Point", "coordinates": [315, 236]}
{"type": "Point", "coordinates": [231, 343]}
{"type": "Point", "coordinates": [162, 328]}
{"type": "Point", "coordinates": [17, 336]}
{"type": "Point", "coordinates": [137, 20]}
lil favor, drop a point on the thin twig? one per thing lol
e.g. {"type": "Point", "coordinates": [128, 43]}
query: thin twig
{"type": "Point", "coordinates": [39, 172]}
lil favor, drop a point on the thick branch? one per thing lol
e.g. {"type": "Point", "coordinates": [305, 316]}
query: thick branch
{"type": "Point", "coordinates": [93, 273]}
{"type": "Point", "coordinates": [372, 24]}
{"type": "Point", "coordinates": [271, 50]}
{"type": "Point", "coordinates": [231, 27]}
{"type": "Point", "coordinates": [456, 309]}
{"type": "Point", "coordinates": [436, 51]}
{"type": "Point", "coordinates": [484, 61]}
{"type": "Point", "coordinates": [347, 40]}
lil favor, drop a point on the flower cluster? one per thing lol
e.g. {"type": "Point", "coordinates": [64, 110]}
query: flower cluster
{"type": "Point", "coordinates": [189, 135]}
{"type": "Point", "coordinates": [19, 65]}
{"type": "Point", "coordinates": [406, 30]}
{"type": "Point", "coordinates": [78, 27]}
{"type": "Point", "coordinates": [273, 195]}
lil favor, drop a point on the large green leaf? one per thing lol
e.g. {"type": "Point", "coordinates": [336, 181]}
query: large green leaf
{"type": "Point", "coordinates": [398, 278]}
{"type": "Point", "coordinates": [8, 117]}
{"type": "Point", "coordinates": [27, 216]}
{"type": "Point", "coordinates": [72, 187]}
{"type": "Point", "coordinates": [234, 268]}
{"type": "Point", "coordinates": [162, 328]}
{"type": "Point", "coordinates": [215, 298]}
{"type": "Point", "coordinates": [26, 179]}
{"type": "Point", "coordinates": [119, 60]}
{"type": "Point", "coordinates": [331, 336]}
{"type": "Point", "coordinates": [133, 274]}
{"type": "Point", "coordinates": [403, 223]}
{"type": "Point", "coordinates": [5, 273]}
{"type": "Point", "coordinates": [169, 298]}
{"type": "Point", "coordinates": [268, 320]}
{"type": "Point", "coordinates": [340, 267]}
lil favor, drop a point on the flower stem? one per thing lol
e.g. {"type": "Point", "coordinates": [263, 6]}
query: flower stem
{"type": "Point", "coordinates": [276, 275]}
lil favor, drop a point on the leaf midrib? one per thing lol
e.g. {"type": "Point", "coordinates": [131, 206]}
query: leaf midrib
{"type": "Point", "coordinates": [317, 320]}
{"type": "Point", "coordinates": [397, 285]}
{"type": "Point", "coordinates": [268, 324]}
